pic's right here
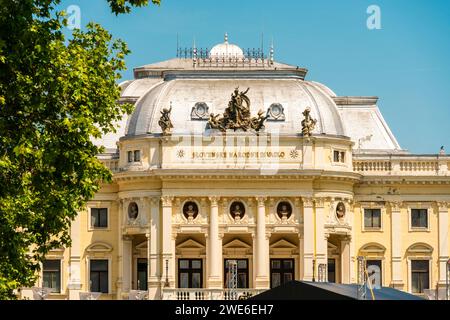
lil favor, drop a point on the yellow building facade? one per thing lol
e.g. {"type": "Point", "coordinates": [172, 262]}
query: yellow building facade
{"type": "Point", "coordinates": [208, 195]}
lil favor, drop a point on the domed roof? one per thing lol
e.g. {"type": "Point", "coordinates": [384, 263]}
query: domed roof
{"type": "Point", "coordinates": [226, 50]}
{"type": "Point", "coordinates": [192, 101]}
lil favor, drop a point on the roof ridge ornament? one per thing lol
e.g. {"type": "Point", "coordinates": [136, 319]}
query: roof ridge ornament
{"type": "Point", "coordinates": [226, 37]}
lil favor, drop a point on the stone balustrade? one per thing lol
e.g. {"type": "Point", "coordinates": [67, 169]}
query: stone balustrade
{"type": "Point", "coordinates": [209, 294]}
{"type": "Point", "coordinates": [405, 165]}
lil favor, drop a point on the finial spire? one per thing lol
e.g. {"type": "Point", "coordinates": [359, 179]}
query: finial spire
{"type": "Point", "coordinates": [271, 52]}
{"type": "Point", "coordinates": [226, 37]}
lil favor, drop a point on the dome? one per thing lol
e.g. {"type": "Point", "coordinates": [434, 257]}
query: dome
{"type": "Point", "coordinates": [226, 50]}
{"type": "Point", "coordinates": [193, 99]}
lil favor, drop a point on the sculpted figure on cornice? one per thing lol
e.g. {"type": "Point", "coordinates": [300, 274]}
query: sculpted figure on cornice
{"type": "Point", "coordinates": [308, 123]}
{"type": "Point", "coordinates": [164, 122]}
{"type": "Point", "coordinates": [237, 115]}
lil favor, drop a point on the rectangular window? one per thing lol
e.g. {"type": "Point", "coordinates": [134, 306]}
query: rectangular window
{"type": "Point", "coordinates": [130, 156]}
{"type": "Point", "coordinates": [339, 156]}
{"type": "Point", "coordinates": [374, 270]}
{"type": "Point", "coordinates": [242, 273]}
{"type": "Point", "coordinates": [281, 271]}
{"type": "Point", "coordinates": [331, 270]}
{"type": "Point", "coordinates": [420, 275]}
{"type": "Point", "coordinates": [99, 217]}
{"type": "Point", "coordinates": [99, 276]}
{"type": "Point", "coordinates": [419, 218]}
{"type": "Point", "coordinates": [372, 218]}
{"type": "Point", "coordinates": [137, 155]}
{"type": "Point", "coordinates": [51, 275]}
{"type": "Point", "coordinates": [142, 274]}
{"type": "Point", "coordinates": [190, 273]}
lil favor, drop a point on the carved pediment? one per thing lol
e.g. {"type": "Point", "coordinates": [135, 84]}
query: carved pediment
{"type": "Point", "coordinates": [372, 248]}
{"type": "Point", "coordinates": [421, 248]}
{"type": "Point", "coordinates": [142, 246]}
{"type": "Point", "coordinates": [237, 244]}
{"type": "Point", "coordinates": [283, 244]}
{"type": "Point", "coordinates": [99, 247]}
{"type": "Point", "coordinates": [190, 244]}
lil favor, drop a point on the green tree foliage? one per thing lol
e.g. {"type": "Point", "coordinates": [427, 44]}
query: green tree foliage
{"type": "Point", "coordinates": [55, 94]}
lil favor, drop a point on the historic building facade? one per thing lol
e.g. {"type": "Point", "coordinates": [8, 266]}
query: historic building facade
{"type": "Point", "coordinates": [286, 180]}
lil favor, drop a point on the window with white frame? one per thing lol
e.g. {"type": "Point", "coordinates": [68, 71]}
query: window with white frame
{"type": "Point", "coordinates": [419, 218]}
{"type": "Point", "coordinates": [372, 219]}
{"type": "Point", "coordinates": [99, 218]}
{"type": "Point", "coordinates": [98, 276]}
{"type": "Point", "coordinates": [339, 156]}
{"type": "Point", "coordinates": [134, 156]}
{"type": "Point", "coordinates": [51, 275]}
{"type": "Point", "coordinates": [420, 275]}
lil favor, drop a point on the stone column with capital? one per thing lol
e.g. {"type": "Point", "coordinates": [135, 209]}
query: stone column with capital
{"type": "Point", "coordinates": [168, 248]}
{"type": "Point", "coordinates": [261, 246]}
{"type": "Point", "coordinates": [74, 284]}
{"type": "Point", "coordinates": [321, 238]}
{"type": "Point", "coordinates": [154, 250]}
{"type": "Point", "coordinates": [127, 264]}
{"type": "Point", "coordinates": [443, 223]}
{"type": "Point", "coordinates": [396, 238]}
{"type": "Point", "coordinates": [345, 260]}
{"type": "Point", "coordinates": [308, 238]}
{"type": "Point", "coordinates": [214, 247]}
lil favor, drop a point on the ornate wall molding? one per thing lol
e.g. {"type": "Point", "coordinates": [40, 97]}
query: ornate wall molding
{"type": "Point", "coordinates": [443, 205]}
{"type": "Point", "coordinates": [167, 201]}
{"type": "Point", "coordinates": [308, 202]}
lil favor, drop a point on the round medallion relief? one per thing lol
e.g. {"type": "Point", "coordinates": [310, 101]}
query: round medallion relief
{"type": "Point", "coordinates": [237, 210]}
{"type": "Point", "coordinates": [284, 210]}
{"type": "Point", "coordinates": [133, 211]}
{"type": "Point", "coordinates": [340, 210]}
{"type": "Point", "coordinates": [190, 210]}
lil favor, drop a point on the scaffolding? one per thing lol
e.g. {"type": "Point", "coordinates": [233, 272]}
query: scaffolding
{"type": "Point", "coordinates": [232, 278]}
{"type": "Point", "coordinates": [447, 281]}
{"type": "Point", "coordinates": [364, 280]}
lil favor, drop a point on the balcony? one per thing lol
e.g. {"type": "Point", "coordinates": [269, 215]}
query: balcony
{"type": "Point", "coordinates": [209, 294]}
{"type": "Point", "coordinates": [423, 165]}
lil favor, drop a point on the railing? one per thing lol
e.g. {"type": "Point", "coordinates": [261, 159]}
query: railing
{"type": "Point", "coordinates": [209, 294]}
{"type": "Point", "coordinates": [111, 164]}
{"type": "Point", "coordinates": [408, 167]}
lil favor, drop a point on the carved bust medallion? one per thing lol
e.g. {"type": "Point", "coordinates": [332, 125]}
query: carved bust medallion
{"type": "Point", "coordinates": [190, 210]}
{"type": "Point", "coordinates": [284, 210]}
{"type": "Point", "coordinates": [133, 211]}
{"type": "Point", "coordinates": [340, 210]}
{"type": "Point", "coordinates": [237, 210]}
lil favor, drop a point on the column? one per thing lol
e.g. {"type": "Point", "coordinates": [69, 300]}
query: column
{"type": "Point", "coordinates": [396, 238]}
{"type": "Point", "coordinates": [214, 247]}
{"type": "Point", "coordinates": [120, 250]}
{"type": "Point", "coordinates": [261, 247]}
{"type": "Point", "coordinates": [154, 250]}
{"type": "Point", "coordinates": [308, 239]}
{"type": "Point", "coordinates": [321, 238]}
{"type": "Point", "coordinates": [74, 284]}
{"type": "Point", "coordinates": [301, 267]}
{"type": "Point", "coordinates": [127, 264]}
{"type": "Point", "coordinates": [350, 219]}
{"type": "Point", "coordinates": [168, 247]}
{"type": "Point", "coordinates": [443, 240]}
{"type": "Point", "coordinates": [345, 260]}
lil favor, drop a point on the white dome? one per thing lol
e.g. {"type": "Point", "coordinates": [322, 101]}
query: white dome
{"type": "Point", "coordinates": [225, 50]}
{"type": "Point", "coordinates": [293, 96]}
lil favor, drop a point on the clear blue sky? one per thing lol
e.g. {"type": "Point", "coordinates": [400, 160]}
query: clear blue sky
{"type": "Point", "coordinates": [406, 63]}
